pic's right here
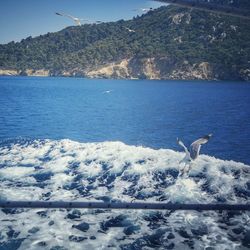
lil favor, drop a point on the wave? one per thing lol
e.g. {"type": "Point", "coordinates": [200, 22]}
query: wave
{"type": "Point", "coordinates": [113, 171]}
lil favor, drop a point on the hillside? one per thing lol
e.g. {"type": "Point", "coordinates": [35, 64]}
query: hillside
{"type": "Point", "coordinates": [168, 43]}
{"type": "Point", "coordinates": [234, 3]}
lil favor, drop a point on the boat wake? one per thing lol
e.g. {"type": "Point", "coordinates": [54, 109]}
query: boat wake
{"type": "Point", "coordinates": [113, 171]}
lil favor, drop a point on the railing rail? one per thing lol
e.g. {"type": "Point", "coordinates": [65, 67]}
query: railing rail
{"type": "Point", "coordinates": [212, 7]}
{"type": "Point", "coordinates": [122, 205]}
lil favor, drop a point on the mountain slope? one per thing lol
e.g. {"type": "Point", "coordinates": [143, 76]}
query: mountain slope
{"type": "Point", "coordinates": [168, 43]}
{"type": "Point", "coordinates": [234, 3]}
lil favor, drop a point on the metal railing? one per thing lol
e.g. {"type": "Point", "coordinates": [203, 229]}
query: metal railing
{"type": "Point", "coordinates": [122, 205]}
{"type": "Point", "coordinates": [212, 7]}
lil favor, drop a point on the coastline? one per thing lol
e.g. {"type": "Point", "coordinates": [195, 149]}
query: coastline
{"type": "Point", "coordinates": [46, 73]}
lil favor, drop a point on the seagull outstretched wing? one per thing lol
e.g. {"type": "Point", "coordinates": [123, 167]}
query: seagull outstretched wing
{"type": "Point", "coordinates": [59, 14]}
{"type": "Point", "coordinates": [196, 146]}
{"type": "Point", "coordinates": [182, 145]}
{"type": "Point", "coordinates": [75, 19]}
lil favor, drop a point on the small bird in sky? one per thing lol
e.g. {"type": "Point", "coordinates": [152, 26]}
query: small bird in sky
{"type": "Point", "coordinates": [144, 10]}
{"type": "Point", "coordinates": [78, 20]}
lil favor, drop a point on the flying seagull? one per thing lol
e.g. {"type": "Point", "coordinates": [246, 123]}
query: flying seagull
{"type": "Point", "coordinates": [107, 92]}
{"type": "Point", "coordinates": [193, 151]}
{"type": "Point", "coordinates": [98, 22]}
{"type": "Point", "coordinates": [75, 19]}
{"type": "Point", "coordinates": [129, 30]}
{"type": "Point", "coordinates": [144, 10]}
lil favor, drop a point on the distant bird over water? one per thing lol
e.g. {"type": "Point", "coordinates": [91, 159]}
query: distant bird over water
{"type": "Point", "coordinates": [193, 151]}
{"type": "Point", "coordinates": [107, 91]}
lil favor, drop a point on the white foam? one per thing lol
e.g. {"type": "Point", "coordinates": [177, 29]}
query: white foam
{"type": "Point", "coordinates": [68, 170]}
{"type": "Point", "coordinates": [16, 172]}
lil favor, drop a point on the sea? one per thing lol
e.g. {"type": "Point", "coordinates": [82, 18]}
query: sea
{"type": "Point", "coordinates": [77, 139]}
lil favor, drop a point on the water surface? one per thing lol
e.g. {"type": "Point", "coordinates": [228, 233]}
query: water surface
{"type": "Point", "coordinates": [148, 113]}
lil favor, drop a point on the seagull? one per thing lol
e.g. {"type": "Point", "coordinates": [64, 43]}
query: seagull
{"type": "Point", "coordinates": [98, 22]}
{"type": "Point", "coordinates": [144, 10]}
{"type": "Point", "coordinates": [129, 30]}
{"type": "Point", "coordinates": [107, 92]}
{"type": "Point", "coordinates": [193, 151]}
{"type": "Point", "coordinates": [75, 19]}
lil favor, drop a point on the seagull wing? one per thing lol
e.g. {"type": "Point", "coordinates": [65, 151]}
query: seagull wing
{"type": "Point", "coordinates": [182, 145]}
{"type": "Point", "coordinates": [75, 19]}
{"type": "Point", "coordinates": [196, 146]}
{"type": "Point", "coordinates": [72, 17]}
{"type": "Point", "coordinates": [59, 14]}
{"type": "Point", "coordinates": [146, 9]}
{"type": "Point", "coordinates": [63, 14]}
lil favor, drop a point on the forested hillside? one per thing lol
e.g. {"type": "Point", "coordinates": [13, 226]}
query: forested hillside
{"type": "Point", "coordinates": [167, 43]}
{"type": "Point", "coordinates": [233, 3]}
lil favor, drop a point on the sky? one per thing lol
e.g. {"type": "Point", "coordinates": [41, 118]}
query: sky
{"type": "Point", "coordinates": [22, 18]}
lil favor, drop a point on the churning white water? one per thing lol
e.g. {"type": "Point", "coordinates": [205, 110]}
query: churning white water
{"type": "Point", "coordinates": [113, 171]}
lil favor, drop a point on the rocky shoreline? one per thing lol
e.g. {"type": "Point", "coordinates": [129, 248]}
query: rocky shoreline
{"type": "Point", "coordinates": [146, 68]}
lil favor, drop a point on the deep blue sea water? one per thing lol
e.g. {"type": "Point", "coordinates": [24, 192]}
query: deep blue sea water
{"type": "Point", "coordinates": [136, 112]}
